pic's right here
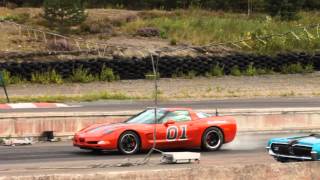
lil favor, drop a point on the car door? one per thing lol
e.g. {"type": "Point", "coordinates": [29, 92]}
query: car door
{"type": "Point", "coordinates": [177, 129]}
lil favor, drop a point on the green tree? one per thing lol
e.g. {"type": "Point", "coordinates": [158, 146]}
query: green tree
{"type": "Point", "coordinates": [312, 4]}
{"type": "Point", "coordinates": [64, 13]}
{"type": "Point", "coordinates": [286, 9]}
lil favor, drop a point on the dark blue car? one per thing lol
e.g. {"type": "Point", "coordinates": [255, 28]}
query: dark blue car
{"type": "Point", "coordinates": [301, 148]}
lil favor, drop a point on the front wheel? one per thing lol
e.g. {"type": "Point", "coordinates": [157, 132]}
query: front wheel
{"type": "Point", "coordinates": [212, 139]}
{"type": "Point", "coordinates": [129, 143]}
{"type": "Point", "coordinates": [282, 159]}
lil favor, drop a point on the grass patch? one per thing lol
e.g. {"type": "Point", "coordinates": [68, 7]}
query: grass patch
{"type": "Point", "coordinates": [107, 74]}
{"type": "Point", "coordinates": [288, 94]}
{"type": "Point", "coordinates": [216, 70]}
{"type": "Point", "coordinates": [150, 76]}
{"type": "Point", "coordinates": [52, 77]}
{"type": "Point", "coordinates": [19, 18]}
{"type": "Point", "coordinates": [46, 77]}
{"type": "Point", "coordinates": [9, 79]}
{"type": "Point", "coordinates": [79, 98]}
{"type": "Point", "coordinates": [199, 27]}
{"type": "Point", "coordinates": [251, 70]}
{"type": "Point", "coordinates": [235, 71]}
{"type": "Point", "coordinates": [189, 75]}
{"type": "Point", "coordinates": [82, 75]}
{"type": "Point", "coordinates": [297, 68]}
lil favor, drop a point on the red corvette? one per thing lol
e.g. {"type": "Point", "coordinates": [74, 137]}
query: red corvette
{"type": "Point", "coordinates": [175, 128]}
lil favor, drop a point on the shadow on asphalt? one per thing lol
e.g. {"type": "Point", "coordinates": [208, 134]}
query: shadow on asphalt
{"type": "Point", "coordinates": [116, 153]}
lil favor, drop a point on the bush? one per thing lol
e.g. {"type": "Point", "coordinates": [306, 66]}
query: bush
{"type": "Point", "coordinates": [5, 77]}
{"type": "Point", "coordinates": [292, 69]}
{"type": "Point", "coordinates": [46, 77]}
{"type": "Point", "coordinates": [64, 14]}
{"type": "Point", "coordinates": [191, 74]}
{"type": "Point", "coordinates": [82, 75]}
{"type": "Point", "coordinates": [16, 79]}
{"type": "Point", "coordinates": [235, 71]}
{"type": "Point", "coordinates": [297, 68]}
{"type": "Point", "coordinates": [250, 71]}
{"type": "Point", "coordinates": [107, 74]}
{"type": "Point", "coordinates": [19, 18]}
{"type": "Point", "coordinates": [9, 79]}
{"type": "Point", "coordinates": [100, 26]}
{"type": "Point", "coordinates": [173, 42]}
{"type": "Point", "coordinates": [309, 68]}
{"type": "Point", "coordinates": [59, 45]}
{"type": "Point", "coordinates": [148, 32]}
{"type": "Point", "coordinates": [217, 71]}
{"type": "Point", "coordinates": [286, 9]}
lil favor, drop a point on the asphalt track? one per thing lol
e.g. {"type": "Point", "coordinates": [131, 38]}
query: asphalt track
{"type": "Point", "coordinates": [246, 149]}
{"type": "Point", "coordinates": [105, 106]}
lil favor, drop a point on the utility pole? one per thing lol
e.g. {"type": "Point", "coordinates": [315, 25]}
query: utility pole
{"type": "Point", "coordinates": [250, 7]}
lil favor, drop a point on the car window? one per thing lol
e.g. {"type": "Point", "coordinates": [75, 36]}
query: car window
{"type": "Point", "coordinates": [177, 116]}
{"type": "Point", "coordinates": [146, 117]}
{"type": "Point", "coordinates": [203, 115]}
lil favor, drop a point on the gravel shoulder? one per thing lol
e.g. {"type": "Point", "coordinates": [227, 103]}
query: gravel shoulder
{"type": "Point", "coordinates": [295, 85]}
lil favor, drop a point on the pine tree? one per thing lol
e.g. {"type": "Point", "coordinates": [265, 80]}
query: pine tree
{"type": "Point", "coordinates": [64, 13]}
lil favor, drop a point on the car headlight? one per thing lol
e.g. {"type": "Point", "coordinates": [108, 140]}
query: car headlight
{"type": "Point", "coordinates": [102, 143]}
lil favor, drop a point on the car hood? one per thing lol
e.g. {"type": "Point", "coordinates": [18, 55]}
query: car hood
{"type": "Point", "coordinates": [302, 140]}
{"type": "Point", "coordinates": [102, 128]}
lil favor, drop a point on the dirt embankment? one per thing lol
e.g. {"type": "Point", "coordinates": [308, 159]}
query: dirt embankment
{"type": "Point", "coordinates": [104, 39]}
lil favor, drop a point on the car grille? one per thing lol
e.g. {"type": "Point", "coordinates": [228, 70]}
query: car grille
{"type": "Point", "coordinates": [291, 150]}
{"type": "Point", "coordinates": [92, 142]}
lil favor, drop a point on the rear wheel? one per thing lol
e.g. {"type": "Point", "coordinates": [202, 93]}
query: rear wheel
{"type": "Point", "coordinates": [212, 139]}
{"type": "Point", "coordinates": [129, 143]}
{"type": "Point", "coordinates": [96, 151]}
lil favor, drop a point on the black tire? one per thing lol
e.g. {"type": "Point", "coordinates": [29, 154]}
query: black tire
{"type": "Point", "coordinates": [134, 143]}
{"type": "Point", "coordinates": [212, 139]}
{"type": "Point", "coordinates": [282, 159]}
{"type": "Point", "coordinates": [96, 151]}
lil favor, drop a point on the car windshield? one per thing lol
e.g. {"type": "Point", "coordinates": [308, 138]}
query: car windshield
{"type": "Point", "coordinates": [146, 117]}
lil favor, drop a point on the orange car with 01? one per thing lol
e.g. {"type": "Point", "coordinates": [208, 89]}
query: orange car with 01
{"type": "Point", "coordinates": [175, 128]}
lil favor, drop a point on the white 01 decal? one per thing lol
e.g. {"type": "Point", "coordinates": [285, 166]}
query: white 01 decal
{"type": "Point", "coordinates": [173, 131]}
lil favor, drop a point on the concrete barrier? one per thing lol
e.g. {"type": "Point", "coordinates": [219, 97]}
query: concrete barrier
{"type": "Point", "coordinates": [292, 171]}
{"type": "Point", "coordinates": [66, 123]}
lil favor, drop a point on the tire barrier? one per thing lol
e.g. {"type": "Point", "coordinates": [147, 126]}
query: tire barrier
{"type": "Point", "coordinates": [137, 68]}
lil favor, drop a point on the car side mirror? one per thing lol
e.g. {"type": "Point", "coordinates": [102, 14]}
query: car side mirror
{"type": "Point", "coordinates": [169, 122]}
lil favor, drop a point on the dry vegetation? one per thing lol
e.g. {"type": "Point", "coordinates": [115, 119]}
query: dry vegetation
{"type": "Point", "coordinates": [170, 89]}
{"type": "Point", "coordinates": [180, 27]}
